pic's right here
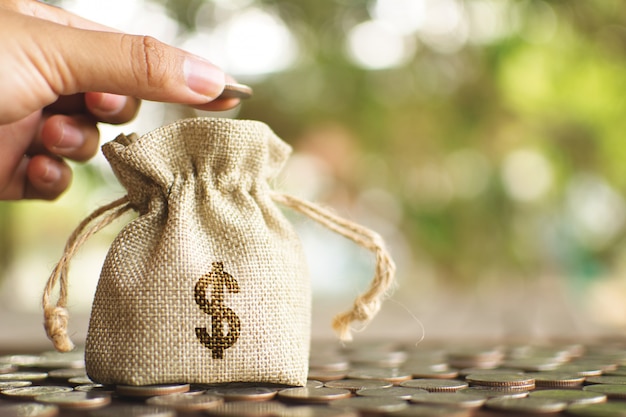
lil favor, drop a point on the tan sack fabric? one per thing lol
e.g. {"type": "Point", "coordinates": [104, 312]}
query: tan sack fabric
{"type": "Point", "coordinates": [208, 284]}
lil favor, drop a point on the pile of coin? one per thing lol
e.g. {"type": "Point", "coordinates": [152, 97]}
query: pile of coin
{"type": "Point", "coordinates": [364, 379]}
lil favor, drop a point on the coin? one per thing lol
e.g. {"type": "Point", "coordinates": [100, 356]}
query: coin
{"type": "Point", "coordinates": [429, 373]}
{"type": "Point", "coordinates": [423, 410]}
{"type": "Point", "coordinates": [80, 380]}
{"type": "Point", "coordinates": [611, 391]}
{"type": "Point", "coordinates": [370, 405]}
{"type": "Point", "coordinates": [580, 369]}
{"type": "Point", "coordinates": [28, 410]}
{"type": "Point", "coordinates": [313, 395]}
{"type": "Point", "coordinates": [452, 399]}
{"type": "Point", "coordinates": [403, 393]}
{"type": "Point", "coordinates": [14, 384]}
{"type": "Point", "coordinates": [103, 389]}
{"type": "Point", "coordinates": [32, 391]}
{"type": "Point", "coordinates": [66, 373]}
{"type": "Point", "coordinates": [611, 409]}
{"type": "Point", "coordinates": [607, 379]}
{"type": "Point", "coordinates": [468, 371]}
{"type": "Point", "coordinates": [532, 364]}
{"type": "Point", "coordinates": [246, 409]}
{"type": "Point", "coordinates": [5, 368]}
{"type": "Point", "coordinates": [325, 376]}
{"type": "Point", "coordinates": [493, 392]}
{"type": "Point", "coordinates": [315, 411]}
{"type": "Point", "coordinates": [393, 375]}
{"type": "Point", "coordinates": [328, 363]}
{"type": "Point", "coordinates": [75, 400]}
{"type": "Point", "coordinates": [383, 359]}
{"type": "Point", "coordinates": [500, 380]}
{"type": "Point", "coordinates": [23, 376]}
{"type": "Point", "coordinates": [150, 390]}
{"type": "Point", "coordinates": [526, 405]}
{"type": "Point", "coordinates": [20, 360]}
{"type": "Point", "coordinates": [133, 410]}
{"type": "Point", "coordinates": [243, 393]}
{"type": "Point", "coordinates": [186, 402]}
{"type": "Point", "coordinates": [435, 385]}
{"type": "Point", "coordinates": [357, 384]}
{"type": "Point", "coordinates": [555, 379]}
{"type": "Point", "coordinates": [235, 90]}
{"type": "Point", "coordinates": [311, 383]}
{"type": "Point", "coordinates": [570, 396]}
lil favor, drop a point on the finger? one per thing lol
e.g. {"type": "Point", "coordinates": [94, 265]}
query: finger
{"type": "Point", "coordinates": [137, 66]}
{"type": "Point", "coordinates": [72, 104]}
{"type": "Point", "coordinates": [46, 178]}
{"type": "Point", "coordinates": [73, 137]}
{"type": "Point", "coordinates": [112, 108]}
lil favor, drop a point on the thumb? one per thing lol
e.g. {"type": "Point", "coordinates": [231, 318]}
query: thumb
{"type": "Point", "coordinates": [138, 66]}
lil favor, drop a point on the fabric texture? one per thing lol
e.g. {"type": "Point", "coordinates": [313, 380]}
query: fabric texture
{"type": "Point", "coordinates": [209, 283]}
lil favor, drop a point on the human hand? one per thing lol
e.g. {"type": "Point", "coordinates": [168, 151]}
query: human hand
{"type": "Point", "coordinates": [61, 74]}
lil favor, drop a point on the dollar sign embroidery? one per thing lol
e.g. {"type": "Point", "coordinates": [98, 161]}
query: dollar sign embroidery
{"type": "Point", "coordinates": [217, 341]}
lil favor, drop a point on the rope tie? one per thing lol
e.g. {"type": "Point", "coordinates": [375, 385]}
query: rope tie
{"type": "Point", "coordinates": [366, 305]}
{"type": "Point", "coordinates": [56, 316]}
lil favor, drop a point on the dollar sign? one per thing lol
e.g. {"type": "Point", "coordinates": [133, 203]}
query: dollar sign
{"type": "Point", "coordinates": [217, 341]}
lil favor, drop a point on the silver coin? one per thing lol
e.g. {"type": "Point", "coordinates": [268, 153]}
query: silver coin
{"type": "Point", "coordinates": [428, 373]}
{"type": "Point", "coordinates": [14, 384]}
{"type": "Point", "coordinates": [493, 392]}
{"type": "Point", "coordinates": [580, 369]}
{"type": "Point", "coordinates": [133, 410]}
{"type": "Point", "coordinates": [67, 373]}
{"type": "Point", "coordinates": [555, 379]}
{"type": "Point", "coordinates": [435, 385]}
{"type": "Point", "coordinates": [315, 411]}
{"type": "Point", "coordinates": [610, 409]}
{"type": "Point", "coordinates": [24, 376]}
{"type": "Point", "coordinates": [468, 371]}
{"type": "Point", "coordinates": [313, 395]}
{"type": "Point", "coordinates": [75, 400]}
{"type": "Point", "coordinates": [246, 409]}
{"type": "Point", "coordinates": [570, 396]}
{"type": "Point", "coordinates": [28, 410]}
{"type": "Point", "coordinates": [403, 393]}
{"type": "Point", "coordinates": [607, 379]}
{"type": "Point", "coordinates": [32, 391]}
{"type": "Point", "coordinates": [5, 368]}
{"type": "Point", "coordinates": [325, 376]}
{"type": "Point", "coordinates": [532, 364]}
{"type": "Point", "coordinates": [500, 380]}
{"type": "Point", "coordinates": [526, 405]}
{"type": "Point", "coordinates": [245, 393]}
{"type": "Point", "coordinates": [422, 410]}
{"type": "Point", "coordinates": [80, 380]}
{"type": "Point", "coordinates": [393, 375]}
{"type": "Point", "coordinates": [357, 384]}
{"type": "Point", "coordinates": [617, 391]}
{"type": "Point", "coordinates": [452, 399]}
{"type": "Point", "coordinates": [311, 383]}
{"type": "Point", "coordinates": [186, 402]}
{"type": "Point", "coordinates": [21, 360]}
{"type": "Point", "coordinates": [150, 390]}
{"type": "Point", "coordinates": [235, 90]}
{"type": "Point", "coordinates": [103, 389]}
{"type": "Point", "coordinates": [388, 359]}
{"type": "Point", "coordinates": [371, 404]}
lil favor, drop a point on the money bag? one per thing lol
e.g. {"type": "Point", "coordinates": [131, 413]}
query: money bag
{"type": "Point", "coordinates": [208, 283]}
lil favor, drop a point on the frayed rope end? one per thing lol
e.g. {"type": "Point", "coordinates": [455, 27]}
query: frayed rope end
{"type": "Point", "coordinates": [55, 323]}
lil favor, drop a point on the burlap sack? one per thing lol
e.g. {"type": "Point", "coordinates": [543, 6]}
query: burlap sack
{"type": "Point", "coordinates": [208, 283]}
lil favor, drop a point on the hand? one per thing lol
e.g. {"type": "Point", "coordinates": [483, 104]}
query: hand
{"type": "Point", "coordinates": [61, 74]}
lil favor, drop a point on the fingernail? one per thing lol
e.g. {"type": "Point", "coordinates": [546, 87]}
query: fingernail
{"type": "Point", "coordinates": [203, 78]}
{"type": "Point", "coordinates": [52, 173]}
{"type": "Point", "coordinates": [71, 137]}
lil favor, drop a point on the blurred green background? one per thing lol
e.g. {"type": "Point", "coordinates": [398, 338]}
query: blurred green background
{"type": "Point", "coordinates": [482, 138]}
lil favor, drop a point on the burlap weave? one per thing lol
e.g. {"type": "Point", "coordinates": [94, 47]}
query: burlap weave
{"type": "Point", "coordinates": [201, 189]}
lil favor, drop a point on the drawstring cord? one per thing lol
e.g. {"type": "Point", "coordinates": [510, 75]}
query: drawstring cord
{"type": "Point", "coordinates": [366, 305]}
{"type": "Point", "coordinates": [56, 315]}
